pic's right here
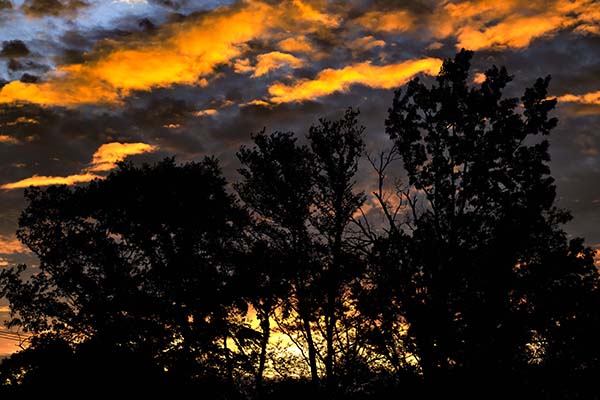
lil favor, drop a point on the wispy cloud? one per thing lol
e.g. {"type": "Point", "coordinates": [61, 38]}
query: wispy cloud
{"type": "Point", "coordinates": [330, 81]}
{"type": "Point", "coordinates": [586, 98]}
{"type": "Point", "coordinates": [104, 159]}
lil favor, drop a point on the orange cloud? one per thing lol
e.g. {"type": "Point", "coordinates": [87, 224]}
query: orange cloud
{"type": "Point", "coordinates": [479, 78]}
{"type": "Point", "coordinates": [256, 102]}
{"type": "Point", "coordinates": [40, 180]}
{"type": "Point", "coordinates": [8, 139]}
{"type": "Point", "coordinates": [295, 45]}
{"type": "Point", "coordinates": [367, 43]}
{"type": "Point", "coordinates": [178, 54]}
{"type": "Point", "coordinates": [23, 120]}
{"type": "Point", "coordinates": [104, 159]}
{"type": "Point", "coordinates": [386, 21]}
{"type": "Point", "coordinates": [514, 32]}
{"type": "Point", "coordinates": [274, 60]}
{"type": "Point", "coordinates": [108, 155]}
{"type": "Point", "coordinates": [309, 13]}
{"type": "Point", "coordinates": [587, 98]}
{"type": "Point", "coordinates": [208, 111]}
{"type": "Point", "coordinates": [11, 245]}
{"type": "Point", "coordinates": [482, 24]}
{"type": "Point", "coordinates": [330, 81]}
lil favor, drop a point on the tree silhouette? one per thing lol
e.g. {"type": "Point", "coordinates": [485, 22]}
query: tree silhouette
{"type": "Point", "coordinates": [136, 263]}
{"type": "Point", "coordinates": [150, 279]}
{"type": "Point", "coordinates": [304, 199]}
{"type": "Point", "coordinates": [475, 269]}
{"type": "Point", "coordinates": [337, 147]}
{"type": "Point", "coordinates": [277, 185]}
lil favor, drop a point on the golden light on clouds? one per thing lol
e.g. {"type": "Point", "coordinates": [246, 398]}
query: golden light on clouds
{"type": "Point", "coordinates": [587, 98]}
{"type": "Point", "coordinates": [190, 52]}
{"type": "Point", "coordinates": [11, 245]}
{"type": "Point", "coordinates": [108, 155]}
{"type": "Point", "coordinates": [386, 21]}
{"type": "Point", "coordinates": [479, 78]}
{"type": "Point", "coordinates": [299, 44]}
{"type": "Point", "coordinates": [8, 139]}
{"type": "Point", "coordinates": [331, 81]}
{"type": "Point", "coordinates": [311, 14]}
{"type": "Point", "coordinates": [499, 25]}
{"type": "Point", "coordinates": [367, 43]}
{"type": "Point", "coordinates": [104, 159]}
{"type": "Point", "coordinates": [483, 24]}
{"type": "Point", "coordinates": [41, 180]}
{"type": "Point", "coordinates": [59, 91]}
{"type": "Point", "coordinates": [179, 54]}
{"type": "Point", "coordinates": [274, 60]}
{"type": "Point", "coordinates": [208, 111]}
{"type": "Point", "coordinates": [514, 32]}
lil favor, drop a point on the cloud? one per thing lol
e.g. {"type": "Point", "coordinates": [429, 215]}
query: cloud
{"type": "Point", "coordinates": [483, 24]}
{"type": "Point", "coordinates": [367, 43]}
{"type": "Point", "coordinates": [511, 24]}
{"type": "Point", "coordinates": [307, 12]}
{"type": "Point", "coordinates": [298, 44]}
{"type": "Point", "coordinates": [514, 32]}
{"type": "Point", "coordinates": [8, 139]}
{"type": "Point", "coordinates": [178, 53]}
{"type": "Point", "coordinates": [479, 78]}
{"type": "Point", "coordinates": [181, 53]}
{"type": "Point", "coordinates": [208, 111]}
{"type": "Point", "coordinates": [104, 159]}
{"type": "Point", "coordinates": [274, 60]}
{"type": "Point", "coordinates": [108, 155]}
{"type": "Point", "coordinates": [41, 8]}
{"type": "Point", "coordinates": [386, 21]}
{"type": "Point", "coordinates": [11, 245]}
{"type": "Point", "coordinates": [14, 48]}
{"type": "Point", "coordinates": [330, 80]}
{"type": "Point", "coordinates": [40, 180]}
{"type": "Point", "coordinates": [587, 98]}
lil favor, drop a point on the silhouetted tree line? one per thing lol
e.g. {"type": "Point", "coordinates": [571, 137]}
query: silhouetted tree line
{"type": "Point", "coordinates": [459, 282]}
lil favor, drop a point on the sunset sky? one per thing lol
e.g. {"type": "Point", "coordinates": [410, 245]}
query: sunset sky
{"type": "Point", "coordinates": [87, 83]}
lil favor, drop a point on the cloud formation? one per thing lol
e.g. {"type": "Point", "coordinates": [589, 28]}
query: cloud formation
{"type": "Point", "coordinates": [181, 53]}
{"type": "Point", "coordinates": [41, 8]}
{"type": "Point", "coordinates": [11, 245]}
{"type": "Point", "coordinates": [104, 159]}
{"type": "Point", "coordinates": [330, 80]}
{"type": "Point", "coordinates": [587, 98]}
{"type": "Point", "coordinates": [483, 24]}
{"type": "Point", "coordinates": [274, 60]}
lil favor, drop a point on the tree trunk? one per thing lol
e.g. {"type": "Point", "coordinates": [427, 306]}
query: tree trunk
{"type": "Point", "coordinates": [330, 317]}
{"type": "Point", "coordinates": [265, 326]}
{"type": "Point", "coordinates": [312, 352]}
{"type": "Point", "coordinates": [228, 361]}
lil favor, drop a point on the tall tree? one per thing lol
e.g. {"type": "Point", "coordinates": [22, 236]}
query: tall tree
{"type": "Point", "coordinates": [337, 147]}
{"type": "Point", "coordinates": [304, 198]}
{"type": "Point", "coordinates": [482, 224]}
{"type": "Point", "coordinates": [277, 186]}
{"type": "Point", "coordinates": [136, 263]}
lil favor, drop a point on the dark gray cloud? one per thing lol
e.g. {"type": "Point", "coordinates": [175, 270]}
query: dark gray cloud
{"type": "Point", "coordinates": [14, 48]}
{"type": "Point", "coordinates": [41, 8]}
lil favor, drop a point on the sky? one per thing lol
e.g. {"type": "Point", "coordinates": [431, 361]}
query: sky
{"type": "Point", "coordinates": [87, 83]}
